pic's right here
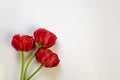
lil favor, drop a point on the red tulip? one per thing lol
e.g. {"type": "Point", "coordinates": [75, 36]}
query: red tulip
{"type": "Point", "coordinates": [23, 43]}
{"type": "Point", "coordinates": [45, 37]}
{"type": "Point", "coordinates": [47, 57]}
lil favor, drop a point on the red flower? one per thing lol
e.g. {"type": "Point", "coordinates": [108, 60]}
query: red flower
{"type": "Point", "coordinates": [47, 58]}
{"type": "Point", "coordinates": [45, 37]}
{"type": "Point", "coordinates": [23, 43]}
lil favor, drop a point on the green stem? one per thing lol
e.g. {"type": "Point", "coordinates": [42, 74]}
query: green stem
{"type": "Point", "coordinates": [29, 61]}
{"type": "Point", "coordinates": [22, 67]}
{"type": "Point", "coordinates": [37, 70]}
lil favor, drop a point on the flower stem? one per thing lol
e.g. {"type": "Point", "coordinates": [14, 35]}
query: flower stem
{"type": "Point", "coordinates": [22, 66]}
{"type": "Point", "coordinates": [29, 61]}
{"type": "Point", "coordinates": [37, 70]}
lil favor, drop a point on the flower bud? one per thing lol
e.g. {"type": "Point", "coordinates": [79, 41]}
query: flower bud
{"type": "Point", "coordinates": [47, 57]}
{"type": "Point", "coordinates": [45, 37]}
{"type": "Point", "coordinates": [23, 43]}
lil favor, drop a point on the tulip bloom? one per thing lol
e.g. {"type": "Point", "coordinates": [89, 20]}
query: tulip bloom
{"type": "Point", "coordinates": [47, 58]}
{"type": "Point", "coordinates": [23, 43]}
{"type": "Point", "coordinates": [45, 37]}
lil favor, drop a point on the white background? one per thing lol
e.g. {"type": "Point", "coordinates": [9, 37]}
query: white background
{"type": "Point", "coordinates": [88, 34]}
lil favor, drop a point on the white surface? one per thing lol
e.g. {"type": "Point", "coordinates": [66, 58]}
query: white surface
{"type": "Point", "coordinates": [2, 72]}
{"type": "Point", "coordinates": [88, 37]}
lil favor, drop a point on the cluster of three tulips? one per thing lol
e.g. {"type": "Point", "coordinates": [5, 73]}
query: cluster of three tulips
{"type": "Point", "coordinates": [42, 41]}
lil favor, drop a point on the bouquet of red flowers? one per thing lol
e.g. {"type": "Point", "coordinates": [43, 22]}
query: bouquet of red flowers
{"type": "Point", "coordinates": [42, 41]}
